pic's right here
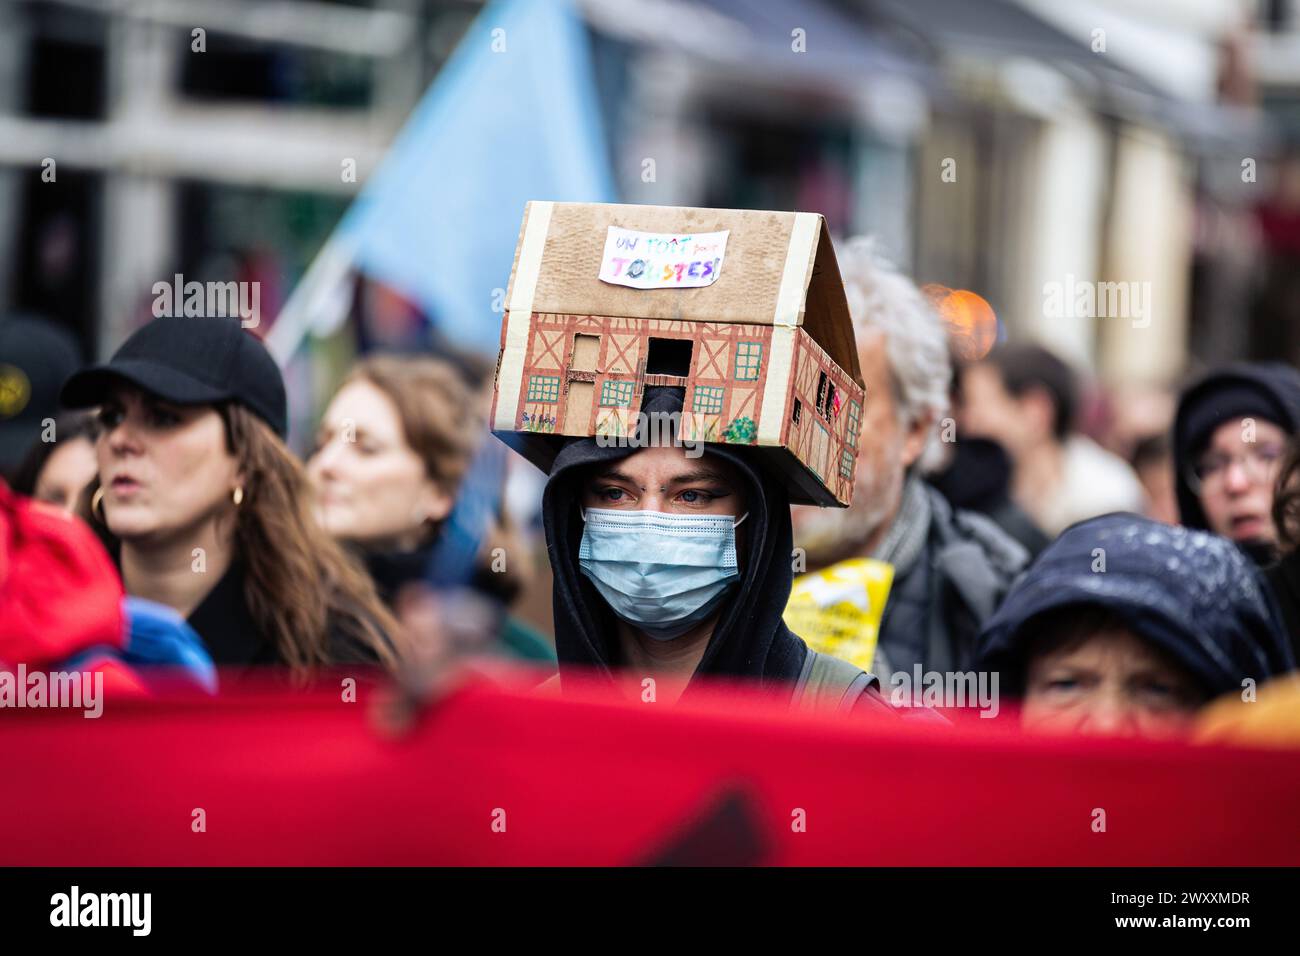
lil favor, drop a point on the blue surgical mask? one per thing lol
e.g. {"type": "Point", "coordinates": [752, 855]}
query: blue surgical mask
{"type": "Point", "coordinates": [661, 573]}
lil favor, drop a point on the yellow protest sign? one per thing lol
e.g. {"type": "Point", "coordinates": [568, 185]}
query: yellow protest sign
{"type": "Point", "coordinates": [837, 610]}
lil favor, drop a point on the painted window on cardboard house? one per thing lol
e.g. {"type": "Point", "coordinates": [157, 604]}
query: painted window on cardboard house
{"type": "Point", "coordinates": [749, 358]}
{"type": "Point", "coordinates": [544, 388]}
{"type": "Point", "coordinates": [708, 400]}
{"type": "Point", "coordinates": [846, 463]}
{"type": "Point", "coordinates": [616, 394]}
{"type": "Point", "coordinates": [854, 423]}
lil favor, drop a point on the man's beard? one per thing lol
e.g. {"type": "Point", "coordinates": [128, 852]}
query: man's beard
{"type": "Point", "coordinates": [873, 508]}
{"type": "Point", "coordinates": [837, 533]}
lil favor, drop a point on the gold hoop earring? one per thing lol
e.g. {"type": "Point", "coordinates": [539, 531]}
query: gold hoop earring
{"type": "Point", "coordinates": [237, 496]}
{"type": "Point", "coordinates": [97, 505]}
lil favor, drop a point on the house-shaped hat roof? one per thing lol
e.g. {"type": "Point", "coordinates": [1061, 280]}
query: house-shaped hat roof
{"type": "Point", "coordinates": [760, 282]}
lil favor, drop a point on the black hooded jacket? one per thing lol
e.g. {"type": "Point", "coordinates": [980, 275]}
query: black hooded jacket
{"type": "Point", "coordinates": [750, 639]}
{"type": "Point", "coordinates": [1234, 391]}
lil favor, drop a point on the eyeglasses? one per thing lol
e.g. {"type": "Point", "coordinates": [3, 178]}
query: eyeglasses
{"type": "Point", "coordinates": [1258, 464]}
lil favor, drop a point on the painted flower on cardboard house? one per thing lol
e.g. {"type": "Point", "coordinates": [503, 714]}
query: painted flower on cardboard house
{"type": "Point", "coordinates": [741, 431]}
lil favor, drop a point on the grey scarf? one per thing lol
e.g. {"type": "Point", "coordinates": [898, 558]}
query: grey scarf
{"type": "Point", "coordinates": [905, 539]}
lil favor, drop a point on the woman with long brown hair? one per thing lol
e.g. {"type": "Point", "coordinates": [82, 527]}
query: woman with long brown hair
{"type": "Point", "coordinates": [210, 513]}
{"type": "Point", "coordinates": [394, 453]}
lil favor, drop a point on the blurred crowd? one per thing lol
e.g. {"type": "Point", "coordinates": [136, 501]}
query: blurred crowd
{"type": "Point", "coordinates": [1125, 560]}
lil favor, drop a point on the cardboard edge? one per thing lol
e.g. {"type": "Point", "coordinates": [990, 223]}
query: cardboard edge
{"type": "Point", "coordinates": [826, 272]}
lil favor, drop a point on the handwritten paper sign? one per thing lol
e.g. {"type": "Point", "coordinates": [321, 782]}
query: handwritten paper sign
{"type": "Point", "coordinates": [662, 260]}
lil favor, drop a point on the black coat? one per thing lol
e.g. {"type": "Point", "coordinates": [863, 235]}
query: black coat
{"type": "Point", "coordinates": [231, 635]}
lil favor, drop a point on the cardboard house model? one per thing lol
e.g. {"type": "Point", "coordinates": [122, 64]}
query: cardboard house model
{"type": "Point", "coordinates": [743, 310]}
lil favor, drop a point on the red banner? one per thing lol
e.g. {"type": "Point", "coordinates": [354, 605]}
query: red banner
{"type": "Point", "coordinates": [491, 775]}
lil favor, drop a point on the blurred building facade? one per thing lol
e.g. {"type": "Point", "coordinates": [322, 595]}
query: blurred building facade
{"type": "Point", "coordinates": [141, 139]}
{"type": "Point", "coordinates": [998, 146]}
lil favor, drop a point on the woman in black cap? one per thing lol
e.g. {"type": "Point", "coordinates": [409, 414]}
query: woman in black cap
{"type": "Point", "coordinates": [1230, 434]}
{"type": "Point", "coordinates": [210, 512]}
{"type": "Point", "coordinates": [1128, 625]}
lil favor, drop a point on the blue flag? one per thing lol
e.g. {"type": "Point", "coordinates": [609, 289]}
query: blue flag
{"type": "Point", "coordinates": [512, 117]}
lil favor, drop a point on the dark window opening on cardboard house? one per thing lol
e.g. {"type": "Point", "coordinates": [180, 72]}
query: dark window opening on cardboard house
{"type": "Point", "coordinates": [798, 410]}
{"type": "Point", "coordinates": [825, 395]}
{"type": "Point", "coordinates": [669, 357]}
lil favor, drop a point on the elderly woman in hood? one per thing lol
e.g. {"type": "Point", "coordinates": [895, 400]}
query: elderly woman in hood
{"type": "Point", "coordinates": [671, 565]}
{"type": "Point", "coordinates": [1128, 626]}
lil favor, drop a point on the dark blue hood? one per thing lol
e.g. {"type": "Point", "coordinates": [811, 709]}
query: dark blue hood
{"type": "Point", "coordinates": [1190, 593]}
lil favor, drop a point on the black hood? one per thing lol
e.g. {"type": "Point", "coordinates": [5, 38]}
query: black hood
{"type": "Point", "coordinates": [1269, 390]}
{"type": "Point", "coordinates": [749, 640]}
{"type": "Point", "coordinates": [1189, 593]}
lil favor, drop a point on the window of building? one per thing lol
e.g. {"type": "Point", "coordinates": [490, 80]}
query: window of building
{"type": "Point", "coordinates": [669, 357]}
{"type": "Point", "coordinates": [708, 399]}
{"type": "Point", "coordinates": [749, 358]}
{"type": "Point", "coordinates": [825, 395]}
{"type": "Point", "coordinates": [543, 388]}
{"type": "Point", "coordinates": [855, 419]}
{"type": "Point", "coordinates": [616, 394]}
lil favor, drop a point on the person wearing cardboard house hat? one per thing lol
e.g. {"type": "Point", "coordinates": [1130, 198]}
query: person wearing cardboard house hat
{"type": "Point", "coordinates": [678, 374]}
{"type": "Point", "coordinates": [208, 512]}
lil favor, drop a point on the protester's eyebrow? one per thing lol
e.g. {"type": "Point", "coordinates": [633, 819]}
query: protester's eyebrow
{"type": "Point", "coordinates": [614, 475]}
{"type": "Point", "coordinates": [699, 474]}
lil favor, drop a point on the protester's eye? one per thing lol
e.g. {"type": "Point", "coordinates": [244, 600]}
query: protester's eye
{"type": "Point", "coordinates": [698, 496]}
{"type": "Point", "coordinates": [161, 417]}
{"type": "Point", "coordinates": [1269, 453]}
{"type": "Point", "coordinates": [1063, 684]}
{"type": "Point", "coordinates": [110, 416]}
{"type": "Point", "coordinates": [1210, 466]}
{"type": "Point", "coordinates": [612, 494]}
{"type": "Point", "coordinates": [1159, 689]}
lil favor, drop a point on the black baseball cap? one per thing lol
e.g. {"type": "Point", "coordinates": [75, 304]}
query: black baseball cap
{"type": "Point", "coordinates": [190, 361]}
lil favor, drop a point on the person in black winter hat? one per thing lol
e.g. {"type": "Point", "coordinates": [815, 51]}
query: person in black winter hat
{"type": "Point", "coordinates": [1230, 434]}
{"type": "Point", "coordinates": [1128, 625]}
{"type": "Point", "coordinates": [673, 565]}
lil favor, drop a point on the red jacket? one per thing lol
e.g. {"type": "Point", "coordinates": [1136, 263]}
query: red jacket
{"type": "Point", "coordinates": [59, 592]}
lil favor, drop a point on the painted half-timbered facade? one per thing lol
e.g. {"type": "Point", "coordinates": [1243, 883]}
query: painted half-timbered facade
{"type": "Point", "coordinates": [763, 352]}
{"type": "Point", "coordinates": [586, 375]}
